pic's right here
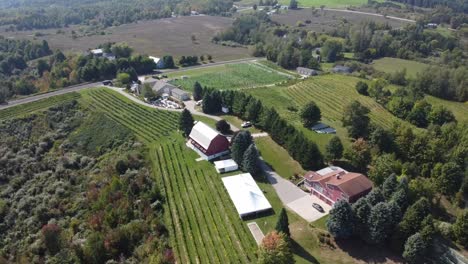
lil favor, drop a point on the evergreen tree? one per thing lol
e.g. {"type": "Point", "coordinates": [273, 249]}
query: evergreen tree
{"type": "Point", "coordinates": [223, 126]}
{"type": "Point", "coordinates": [400, 197]}
{"type": "Point", "coordinates": [197, 91]}
{"type": "Point", "coordinates": [334, 149]}
{"type": "Point", "coordinates": [341, 222]}
{"type": "Point", "coordinates": [356, 119]}
{"type": "Point", "coordinates": [362, 87]}
{"type": "Point", "coordinates": [413, 218]}
{"type": "Point", "coordinates": [380, 223]}
{"type": "Point", "coordinates": [253, 110]}
{"type": "Point", "coordinates": [275, 250]}
{"type": "Point", "coordinates": [186, 122]}
{"type": "Point", "coordinates": [240, 143]}
{"type": "Point", "coordinates": [251, 162]}
{"type": "Point", "coordinates": [310, 114]}
{"type": "Point", "coordinates": [389, 186]}
{"type": "Point", "coordinates": [460, 228]}
{"type": "Point", "coordinates": [282, 225]}
{"type": "Point", "coordinates": [293, 4]}
{"type": "Point", "coordinates": [415, 249]}
{"type": "Point", "coordinates": [362, 210]}
{"type": "Point", "coordinates": [375, 197]}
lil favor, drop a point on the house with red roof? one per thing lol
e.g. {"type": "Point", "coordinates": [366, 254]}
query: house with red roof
{"type": "Point", "coordinates": [207, 142]}
{"type": "Point", "coordinates": [332, 184]}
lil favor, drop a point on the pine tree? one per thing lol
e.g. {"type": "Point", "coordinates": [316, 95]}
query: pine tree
{"type": "Point", "coordinates": [251, 162]}
{"type": "Point", "coordinates": [310, 115]}
{"type": "Point", "coordinates": [362, 210]}
{"type": "Point", "coordinates": [389, 186]}
{"type": "Point", "coordinates": [240, 143]}
{"type": "Point", "coordinates": [341, 222]}
{"type": "Point", "coordinates": [415, 249]}
{"type": "Point", "coordinates": [186, 122]}
{"type": "Point", "coordinates": [197, 91]}
{"type": "Point", "coordinates": [380, 223]}
{"type": "Point", "coordinates": [283, 223]}
{"type": "Point", "coordinates": [375, 197]}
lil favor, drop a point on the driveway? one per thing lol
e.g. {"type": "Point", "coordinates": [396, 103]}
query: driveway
{"type": "Point", "coordinates": [295, 198]}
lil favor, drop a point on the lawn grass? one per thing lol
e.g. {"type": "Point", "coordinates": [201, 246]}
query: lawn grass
{"type": "Point", "coordinates": [391, 65]}
{"type": "Point", "coordinates": [229, 76]}
{"type": "Point", "coordinates": [237, 122]}
{"type": "Point", "coordinates": [459, 109]}
{"type": "Point", "coordinates": [21, 110]}
{"type": "Point", "coordinates": [278, 158]}
{"type": "Point", "coordinates": [327, 3]}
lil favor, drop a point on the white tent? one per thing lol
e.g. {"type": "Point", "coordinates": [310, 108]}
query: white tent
{"type": "Point", "coordinates": [245, 194]}
{"type": "Point", "coordinates": [225, 165]}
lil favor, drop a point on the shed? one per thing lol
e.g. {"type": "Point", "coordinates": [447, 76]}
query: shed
{"type": "Point", "coordinates": [223, 166]}
{"type": "Point", "coordinates": [180, 94]}
{"type": "Point", "coordinates": [341, 69]}
{"type": "Point", "coordinates": [246, 195]}
{"type": "Point", "coordinates": [306, 71]}
{"type": "Point", "coordinates": [207, 142]}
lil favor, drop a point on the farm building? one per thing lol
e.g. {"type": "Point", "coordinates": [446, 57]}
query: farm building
{"type": "Point", "coordinates": [246, 195]}
{"type": "Point", "coordinates": [223, 166]}
{"type": "Point", "coordinates": [180, 94]}
{"type": "Point", "coordinates": [341, 69]}
{"type": "Point", "coordinates": [158, 61]}
{"type": "Point", "coordinates": [332, 184]}
{"type": "Point", "coordinates": [306, 71]}
{"type": "Point", "coordinates": [207, 142]}
{"type": "Point", "coordinates": [322, 128]}
{"type": "Point", "coordinates": [162, 87]}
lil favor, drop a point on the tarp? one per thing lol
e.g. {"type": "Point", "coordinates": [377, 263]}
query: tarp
{"type": "Point", "coordinates": [245, 194]}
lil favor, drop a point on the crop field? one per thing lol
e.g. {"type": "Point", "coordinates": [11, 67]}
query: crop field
{"type": "Point", "coordinates": [391, 65]}
{"type": "Point", "coordinates": [327, 19]}
{"type": "Point", "coordinates": [204, 221]}
{"type": "Point", "coordinates": [20, 110]}
{"type": "Point", "coordinates": [231, 76]}
{"type": "Point", "coordinates": [155, 37]}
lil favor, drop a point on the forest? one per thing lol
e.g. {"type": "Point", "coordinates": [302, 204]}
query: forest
{"type": "Point", "coordinates": [70, 195]}
{"type": "Point", "coordinates": [29, 14]}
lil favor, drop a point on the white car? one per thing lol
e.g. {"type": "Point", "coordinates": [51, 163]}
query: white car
{"type": "Point", "coordinates": [246, 124]}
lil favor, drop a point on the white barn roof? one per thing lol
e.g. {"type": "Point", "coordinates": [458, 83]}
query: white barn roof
{"type": "Point", "coordinates": [225, 164]}
{"type": "Point", "coordinates": [245, 194]}
{"type": "Point", "coordinates": [203, 134]}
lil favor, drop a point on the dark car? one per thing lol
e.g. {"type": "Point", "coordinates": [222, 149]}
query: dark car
{"type": "Point", "coordinates": [107, 82]}
{"type": "Point", "coordinates": [318, 207]}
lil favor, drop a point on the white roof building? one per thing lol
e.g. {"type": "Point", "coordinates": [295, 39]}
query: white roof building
{"type": "Point", "coordinates": [97, 52]}
{"type": "Point", "coordinates": [207, 142]}
{"type": "Point", "coordinates": [245, 194]}
{"type": "Point", "coordinates": [329, 169]}
{"type": "Point", "coordinates": [225, 165]}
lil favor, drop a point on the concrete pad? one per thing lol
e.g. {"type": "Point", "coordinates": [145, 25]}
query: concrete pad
{"type": "Point", "coordinates": [303, 207]}
{"type": "Point", "coordinates": [256, 232]}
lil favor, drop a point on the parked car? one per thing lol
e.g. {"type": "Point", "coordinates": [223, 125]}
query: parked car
{"type": "Point", "coordinates": [246, 124]}
{"type": "Point", "coordinates": [198, 103]}
{"type": "Point", "coordinates": [107, 82]}
{"type": "Point", "coordinates": [318, 207]}
{"type": "Point", "coordinates": [164, 76]}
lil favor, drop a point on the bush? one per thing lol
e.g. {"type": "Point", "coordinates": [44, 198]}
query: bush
{"type": "Point", "coordinates": [223, 126]}
{"type": "Point", "coordinates": [362, 87]}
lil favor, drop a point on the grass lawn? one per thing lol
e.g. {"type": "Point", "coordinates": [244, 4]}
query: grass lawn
{"type": "Point", "coordinates": [459, 109]}
{"type": "Point", "coordinates": [327, 3]}
{"type": "Point", "coordinates": [278, 158]}
{"type": "Point", "coordinates": [229, 76]}
{"type": "Point", "coordinates": [391, 65]}
{"type": "Point", "coordinates": [237, 122]}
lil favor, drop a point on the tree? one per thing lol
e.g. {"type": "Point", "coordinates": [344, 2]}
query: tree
{"type": "Point", "coordinates": [382, 139]}
{"type": "Point", "coordinates": [223, 126]}
{"type": "Point", "coordinates": [359, 155]}
{"type": "Point", "coordinates": [148, 92]}
{"type": "Point", "coordinates": [362, 210]}
{"type": "Point", "coordinates": [375, 197]}
{"type": "Point", "coordinates": [334, 149]}
{"type": "Point", "coordinates": [448, 177]}
{"type": "Point", "coordinates": [415, 249]}
{"type": "Point", "coordinates": [460, 228]}
{"type": "Point", "coordinates": [380, 223]}
{"type": "Point", "coordinates": [51, 238]}
{"type": "Point", "coordinates": [186, 122]}
{"type": "Point", "coordinates": [413, 218]}
{"type": "Point", "coordinates": [419, 113]}
{"type": "Point", "coordinates": [293, 4]}
{"type": "Point", "coordinates": [310, 114]}
{"type": "Point", "coordinates": [121, 50]}
{"type": "Point", "coordinates": [251, 161]}
{"type": "Point", "coordinates": [355, 119]}
{"type": "Point", "coordinates": [197, 91]}
{"type": "Point", "coordinates": [362, 87]}
{"type": "Point", "coordinates": [240, 143]}
{"type": "Point", "coordinates": [123, 78]}
{"type": "Point", "coordinates": [440, 115]}
{"type": "Point", "coordinates": [382, 167]}
{"type": "Point", "coordinates": [282, 225]}
{"type": "Point", "coordinates": [389, 186]}
{"type": "Point", "coordinates": [168, 61]}
{"type": "Point", "coordinates": [275, 249]}
{"type": "Point", "coordinates": [42, 66]}
{"type": "Point", "coordinates": [331, 50]}
{"type": "Point", "coordinates": [341, 222]}
{"type": "Point", "coordinates": [254, 7]}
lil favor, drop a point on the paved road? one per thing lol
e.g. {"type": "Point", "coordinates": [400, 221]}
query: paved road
{"type": "Point", "coordinates": [90, 85]}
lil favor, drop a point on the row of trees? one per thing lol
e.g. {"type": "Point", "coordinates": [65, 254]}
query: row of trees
{"type": "Point", "coordinates": [249, 108]}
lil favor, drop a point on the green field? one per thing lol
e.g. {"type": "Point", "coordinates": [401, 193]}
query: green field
{"type": "Point", "coordinates": [391, 65]}
{"type": "Point", "coordinates": [459, 110]}
{"type": "Point", "coordinates": [331, 93]}
{"type": "Point", "coordinates": [20, 110]}
{"type": "Point", "coordinates": [229, 76]}
{"type": "Point", "coordinates": [327, 3]}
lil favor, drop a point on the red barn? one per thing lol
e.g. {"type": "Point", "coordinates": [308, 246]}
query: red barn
{"type": "Point", "coordinates": [207, 142]}
{"type": "Point", "coordinates": [333, 184]}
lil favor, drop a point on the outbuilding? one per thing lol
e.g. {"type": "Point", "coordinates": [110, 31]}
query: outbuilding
{"type": "Point", "coordinates": [246, 195]}
{"type": "Point", "coordinates": [223, 166]}
{"type": "Point", "coordinates": [207, 142]}
{"type": "Point", "coordinates": [306, 71]}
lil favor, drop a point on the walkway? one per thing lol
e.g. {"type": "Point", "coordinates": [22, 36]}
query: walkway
{"type": "Point", "coordinates": [293, 197]}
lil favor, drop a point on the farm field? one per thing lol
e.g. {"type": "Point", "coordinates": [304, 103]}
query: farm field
{"type": "Point", "coordinates": [391, 65]}
{"type": "Point", "coordinates": [21, 110]}
{"type": "Point", "coordinates": [230, 76]}
{"type": "Point", "coordinates": [331, 93]}
{"type": "Point", "coordinates": [156, 37]}
{"type": "Point", "coordinates": [328, 20]}
{"type": "Point", "coordinates": [458, 109]}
